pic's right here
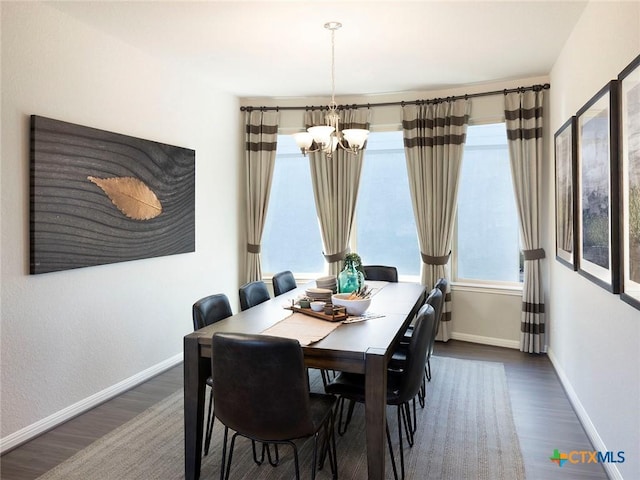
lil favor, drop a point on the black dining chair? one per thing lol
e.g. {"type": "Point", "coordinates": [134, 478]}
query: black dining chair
{"type": "Point", "coordinates": [206, 311]}
{"type": "Point", "coordinates": [442, 284]}
{"type": "Point", "coordinates": [399, 357]}
{"type": "Point", "coordinates": [402, 385]}
{"type": "Point", "coordinates": [252, 294]}
{"type": "Point", "coordinates": [380, 272]}
{"type": "Point", "coordinates": [262, 393]}
{"type": "Point", "coordinates": [283, 282]}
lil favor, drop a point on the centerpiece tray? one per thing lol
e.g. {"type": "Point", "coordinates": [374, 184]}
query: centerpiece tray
{"type": "Point", "coordinates": [339, 313]}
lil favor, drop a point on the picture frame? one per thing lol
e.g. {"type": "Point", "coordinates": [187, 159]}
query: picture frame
{"type": "Point", "coordinates": [629, 95]}
{"type": "Point", "coordinates": [598, 252]}
{"type": "Point", "coordinates": [565, 147]}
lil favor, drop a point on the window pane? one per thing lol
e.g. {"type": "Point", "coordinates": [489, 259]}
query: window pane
{"type": "Point", "coordinates": [291, 238]}
{"type": "Point", "coordinates": [386, 231]}
{"type": "Point", "coordinates": [488, 237]}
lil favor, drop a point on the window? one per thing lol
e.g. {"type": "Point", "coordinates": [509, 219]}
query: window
{"type": "Point", "coordinates": [487, 233]}
{"type": "Point", "coordinates": [385, 229]}
{"type": "Point", "coordinates": [385, 226]}
{"type": "Point", "coordinates": [488, 245]}
{"type": "Point", "coordinates": [291, 238]}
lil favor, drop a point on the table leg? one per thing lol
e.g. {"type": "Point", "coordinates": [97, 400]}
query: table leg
{"type": "Point", "coordinates": [375, 412]}
{"type": "Point", "coordinates": [194, 387]}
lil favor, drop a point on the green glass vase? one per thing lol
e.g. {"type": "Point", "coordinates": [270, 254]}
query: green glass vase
{"type": "Point", "coordinates": [350, 278]}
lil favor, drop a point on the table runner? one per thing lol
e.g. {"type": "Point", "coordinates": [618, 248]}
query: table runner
{"type": "Point", "coordinates": [301, 327]}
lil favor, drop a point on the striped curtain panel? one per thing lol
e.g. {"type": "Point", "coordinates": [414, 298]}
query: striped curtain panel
{"type": "Point", "coordinates": [261, 135]}
{"type": "Point", "coordinates": [434, 137]}
{"type": "Point", "coordinates": [523, 114]}
{"type": "Point", "coordinates": [336, 181]}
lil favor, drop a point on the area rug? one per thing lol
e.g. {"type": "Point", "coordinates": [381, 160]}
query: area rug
{"type": "Point", "coordinates": [465, 432]}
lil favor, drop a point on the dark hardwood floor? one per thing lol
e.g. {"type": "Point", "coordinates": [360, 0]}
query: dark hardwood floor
{"type": "Point", "coordinates": [543, 415]}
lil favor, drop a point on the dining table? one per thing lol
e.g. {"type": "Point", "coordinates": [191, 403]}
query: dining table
{"type": "Point", "coordinates": [360, 347]}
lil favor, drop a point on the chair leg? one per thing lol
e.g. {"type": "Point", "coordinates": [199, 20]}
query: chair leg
{"type": "Point", "coordinates": [400, 442]}
{"type": "Point", "coordinates": [315, 456]}
{"type": "Point", "coordinates": [329, 447]}
{"type": "Point", "coordinates": [332, 434]}
{"type": "Point", "coordinates": [255, 455]}
{"type": "Point", "coordinates": [393, 457]}
{"type": "Point", "coordinates": [224, 452]}
{"type": "Point", "coordinates": [228, 465]}
{"type": "Point", "coordinates": [342, 430]}
{"type": "Point", "coordinates": [209, 431]}
{"type": "Point", "coordinates": [233, 443]}
{"type": "Point", "coordinates": [422, 393]}
{"type": "Point", "coordinates": [428, 370]}
{"type": "Point", "coordinates": [271, 461]}
{"type": "Point", "coordinates": [295, 460]}
{"type": "Point", "coordinates": [406, 420]}
{"type": "Point", "coordinates": [414, 426]}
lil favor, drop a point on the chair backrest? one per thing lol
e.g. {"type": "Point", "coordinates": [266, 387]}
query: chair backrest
{"type": "Point", "coordinates": [417, 354]}
{"type": "Point", "coordinates": [261, 388]}
{"type": "Point", "coordinates": [436, 300]}
{"type": "Point", "coordinates": [442, 284]}
{"type": "Point", "coordinates": [210, 310]}
{"type": "Point", "coordinates": [252, 294]}
{"type": "Point", "coordinates": [283, 282]}
{"type": "Point", "coordinates": [380, 272]}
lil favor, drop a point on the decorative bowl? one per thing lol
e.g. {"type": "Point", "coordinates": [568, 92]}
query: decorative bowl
{"type": "Point", "coordinates": [317, 306]}
{"type": "Point", "coordinates": [354, 307]}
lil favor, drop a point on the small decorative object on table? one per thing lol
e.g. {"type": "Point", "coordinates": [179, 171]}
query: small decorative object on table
{"type": "Point", "coordinates": [304, 303]}
{"type": "Point", "coordinates": [329, 312]}
{"type": "Point", "coordinates": [351, 278]}
{"type": "Point", "coordinates": [317, 306]}
{"type": "Point", "coordinates": [356, 302]}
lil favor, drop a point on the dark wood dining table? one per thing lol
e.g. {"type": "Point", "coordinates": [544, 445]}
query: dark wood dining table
{"type": "Point", "coordinates": [362, 347]}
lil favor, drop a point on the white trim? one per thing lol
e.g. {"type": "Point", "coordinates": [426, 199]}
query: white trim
{"type": "Point", "coordinates": [492, 288]}
{"type": "Point", "coordinates": [497, 342]}
{"type": "Point", "coordinates": [612, 470]}
{"type": "Point", "coordinates": [25, 434]}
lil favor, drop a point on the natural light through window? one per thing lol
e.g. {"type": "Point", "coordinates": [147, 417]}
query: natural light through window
{"type": "Point", "coordinates": [488, 246]}
{"type": "Point", "coordinates": [386, 231]}
{"type": "Point", "coordinates": [291, 238]}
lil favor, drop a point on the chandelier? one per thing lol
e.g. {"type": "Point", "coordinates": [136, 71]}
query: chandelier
{"type": "Point", "coordinates": [327, 138]}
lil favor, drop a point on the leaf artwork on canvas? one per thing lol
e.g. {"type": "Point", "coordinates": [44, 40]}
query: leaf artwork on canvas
{"type": "Point", "coordinates": [131, 196]}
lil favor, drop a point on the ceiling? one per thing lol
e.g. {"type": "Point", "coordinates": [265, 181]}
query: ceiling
{"type": "Point", "coordinates": [280, 49]}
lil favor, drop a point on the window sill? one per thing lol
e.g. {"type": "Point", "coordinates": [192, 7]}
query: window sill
{"type": "Point", "coordinates": [491, 288]}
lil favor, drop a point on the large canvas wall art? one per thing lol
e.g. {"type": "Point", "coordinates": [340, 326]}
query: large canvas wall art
{"type": "Point", "coordinates": [629, 81]}
{"type": "Point", "coordinates": [598, 219]}
{"type": "Point", "coordinates": [99, 197]}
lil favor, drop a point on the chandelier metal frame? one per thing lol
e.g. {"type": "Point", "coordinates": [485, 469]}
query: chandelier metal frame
{"type": "Point", "coordinates": [327, 138]}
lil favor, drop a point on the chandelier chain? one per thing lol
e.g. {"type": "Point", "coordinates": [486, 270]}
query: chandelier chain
{"type": "Point", "coordinates": [329, 137]}
{"type": "Point", "coordinates": [333, 67]}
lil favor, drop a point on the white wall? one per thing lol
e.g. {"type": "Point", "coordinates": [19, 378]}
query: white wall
{"type": "Point", "coordinates": [70, 338]}
{"type": "Point", "coordinates": [594, 336]}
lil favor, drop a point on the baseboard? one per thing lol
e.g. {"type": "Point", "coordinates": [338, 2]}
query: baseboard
{"type": "Point", "coordinates": [598, 444]}
{"type": "Point", "coordinates": [25, 434]}
{"type": "Point", "coordinates": [496, 342]}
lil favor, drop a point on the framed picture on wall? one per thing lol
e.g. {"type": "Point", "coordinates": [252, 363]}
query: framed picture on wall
{"type": "Point", "coordinates": [598, 209]}
{"type": "Point", "coordinates": [629, 83]}
{"type": "Point", "coordinates": [565, 159]}
{"type": "Point", "coordinates": [100, 197]}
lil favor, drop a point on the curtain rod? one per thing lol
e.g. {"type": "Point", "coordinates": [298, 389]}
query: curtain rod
{"type": "Point", "coordinates": [403, 102]}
